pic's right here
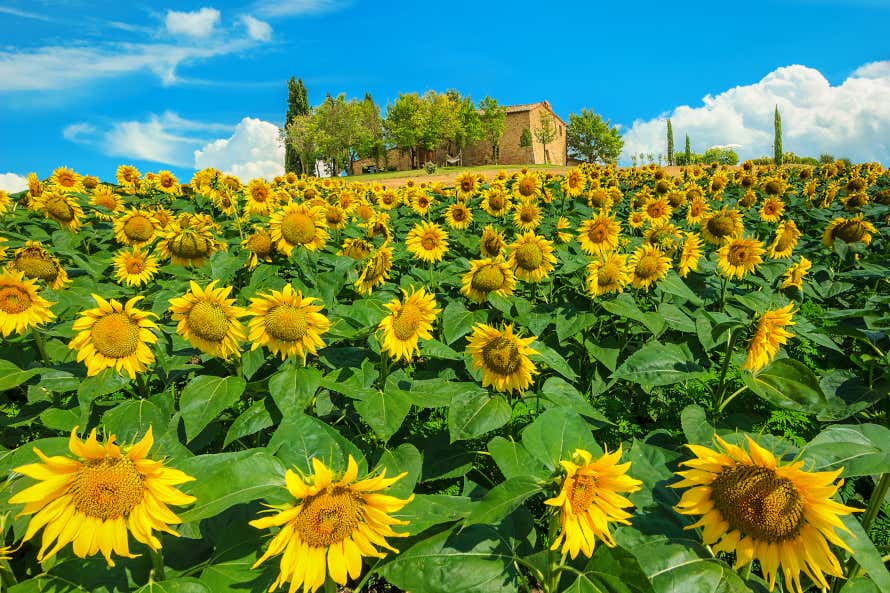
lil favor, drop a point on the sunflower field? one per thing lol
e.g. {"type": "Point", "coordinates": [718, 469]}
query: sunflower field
{"type": "Point", "coordinates": [613, 380]}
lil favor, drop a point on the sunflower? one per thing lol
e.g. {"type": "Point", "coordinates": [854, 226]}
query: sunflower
{"type": "Point", "coordinates": [259, 244]}
{"type": "Point", "coordinates": [562, 227]}
{"type": "Point", "coordinates": [785, 240]}
{"type": "Point", "coordinates": [128, 178]}
{"type": "Point", "coordinates": [690, 254]}
{"type": "Point", "coordinates": [224, 199]}
{"type": "Point", "coordinates": [208, 319]}
{"type": "Point", "coordinates": [719, 227]}
{"type": "Point", "coordinates": [771, 210]}
{"type": "Point", "coordinates": [388, 199]}
{"type": "Point", "coordinates": [740, 256]}
{"type": "Point", "coordinates": [795, 273]}
{"type": "Point", "coordinates": [527, 185]}
{"type": "Point", "coordinates": [657, 210]}
{"type": "Point", "coordinates": [599, 197]}
{"type": "Point", "coordinates": [409, 320]}
{"type": "Point", "coordinates": [778, 514]}
{"type": "Point", "coordinates": [133, 267]}
{"type": "Point", "coordinates": [163, 217]}
{"type": "Point", "coordinates": [427, 241]}
{"type": "Point", "coordinates": [35, 188]}
{"type": "Point", "coordinates": [136, 228]}
{"type": "Point", "coordinates": [36, 262]}
{"type": "Point", "coordinates": [503, 357]}
{"type": "Point", "coordinates": [356, 248]}
{"type": "Point", "coordinates": [774, 186]}
{"type": "Point", "coordinates": [5, 202]}
{"type": "Point", "coordinates": [608, 274]}
{"type": "Point", "coordinates": [93, 499]}
{"type": "Point", "coordinates": [458, 216]}
{"type": "Point", "coordinates": [188, 246]}
{"type": "Point", "coordinates": [103, 199]}
{"type": "Point", "coordinates": [492, 242]}
{"type": "Point", "coordinates": [531, 257]}
{"type": "Point", "coordinates": [636, 219]}
{"type": "Point", "coordinates": [749, 199]}
{"type": "Point", "coordinates": [488, 276]}
{"type": "Point", "coordinates": [599, 235]}
{"type": "Point", "coordinates": [648, 265]}
{"type": "Point", "coordinates": [375, 271]}
{"type": "Point", "coordinates": [168, 184]}
{"type": "Point", "coordinates": [287, 323]}
{"type": "Point", "coordinates": [378, 226]}
{"type": "Point", "coordinates": [21, 306]}
{"type": "Point", "coordinates": [2, 247]}
{"type": "Point", "coordinates": [527, 215]}
{"type": "Point", "coordinates": [769, 337]}
{"type": "Point", "coordinates": [330, 525]}
{"type": "Point", "coordinates": [259, 197]}
{"type": "Point", "coordinates": [589, 499]}
{"type": "Point", "coordinates": [66, 180]}
{"type": "Point", "coordinates": [466, 185]}
{"type": "Point", "coordinates": [420, 201]}
{"type": "Point", "coordinates": [848, 230]}
{"type": "Point", "coordinates": [496, 201]}
{"type": "Point", "coordinates": [298, 225]}
{"type": "Point", "coordinates": [114, 336]}
{"type": "Point", "coordinates": [62, 208]}
{"type": "Point", "coordinates": [697, 210]}
{"type": "Point", "coordinates": [573, 183]}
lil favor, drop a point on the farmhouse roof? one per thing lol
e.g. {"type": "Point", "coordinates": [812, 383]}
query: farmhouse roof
{"type": "Point", "coordinates": [530, 106]}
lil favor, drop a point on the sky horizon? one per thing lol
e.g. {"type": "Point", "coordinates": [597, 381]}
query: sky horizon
{"type": "Point", "coordinates": [184, 85]}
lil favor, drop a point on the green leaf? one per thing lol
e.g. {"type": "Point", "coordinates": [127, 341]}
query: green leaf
{"type": "Point", "coordinates": [436, 349]}
{"type": "Point", "coordinates": [673, 284]}
{"type": "Point", "coordinates": [130, 420]}
{"type": "Point", "coordinates": [611, 570]}
{"type": "Point", "coordinates": [427, 510]}
{"type": "Point", "coordinates": [223, 480]}
{"type": "Point", "coordinates": [298, 439]}
{"type": "Point", "coordinates": [625, 306]}
{"type": "Point", "coordinates": [513, 459]}
{"type": "Point", "coordinates": [503, 499]}
{"type": "Point", "coordinates": [472, 414]}
{"type": "Point", "coordinates": [457, 321]}
{"type": "Point", "coordinates": [562, 393]}
{"type": "Point", "coordinates": [555, 434]}
{"type": "Point", "coordinates": [252, 420]}
{"type": "Point", "coordinates": [554, 360]}
{"type": "Point", "coordinates": [861, 449]}
{"type": "Point", "coordinates": [860, 585]}
{"type": "Point", "coordinates": [61, 420]}
{"type": "Point", "coordinates": [404, 458]}
{"type": "Point", "coordinates": [384, 411]}
{"type": "Point", "coordinates": [790, 384]}
{"type": "Point", "coordinates": [696, 427]}
{"type": "Point", "coordinates": [206, 397]}
{"type": "Point", "coordinates": [438, 392]}
{"type": "Point", "coordinates": [865, 553]}
{"type": "Point", "coordinates": [178, 585]}
{"type": "Point", "coordinates": [293, 388]}
{"type": "Point", "coordinates": [660, 364]}
{"type": "Point", "coordinates": [251, 361]}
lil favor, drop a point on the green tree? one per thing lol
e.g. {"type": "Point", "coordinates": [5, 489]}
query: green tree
{"type": "Point", "coordinates": [592, 139]}
{"type": "Point", "coordinates": [777, 138]}
{"type": "Point", "coordinates": [402, 124]}
{"type": "Point", "coordinates": [670, 143]}
{"type": "Point", "coordinates": [493, 118]}
{"type": "Point", "coordinates": [297, 105]}
{"type": "Point", "coordinates": [545, 133]}
{"type": "Point", "coordinates": [467, 124]}
{"type": "Point", "coordinates": [369, 140]}
{"type": "Point", "coordinates": [301, 137]}
{"type": "Point", "coordinates": [721, 155]}
{"type": "Point", "coordinates": [688, 151]}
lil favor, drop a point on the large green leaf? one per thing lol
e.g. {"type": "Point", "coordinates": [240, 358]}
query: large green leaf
{"type": "Point", "coordinates": [501, 500]}
{"type": "Point", "coordinates": [625, 306]}
{"type": "Point", "coordinates": [428, 510]}
{"type": "Point", "coordinates": [660, 364]}
{"type": "Point", "coordinates": [403, 459]}
{"type": "Point", "coordinates": [299, 439]}
{"type": "Point", "coordinates": [610, 570]}
{"type": "Point", "coordinates": [562, 393]}
{"type": "Point", "coordinates": [861, 449]}
{"type": "Point", "coordinates": [790, 384]}
{"type": "Point", "coordinates": [554, 360]}
{"type": "Point", "coordinates": [12, 376]}
{"type": "Point", "coordinates": [696, 427]}
{"type": "Point", "coordinates": [457, 321]}
{"type": "Point", "coordinates": [252, 420]}
{"type": "Point", "coordinates": [178, 585]}
{"type": "Point", "coordinates": [131, 419]}
{"type": "Point", "coordinates": [555, 434]}
{"type": "Point", "coordinates": [472, 414]}
{"type": "Point", "coordinates": [384, 411]}
{"type": "Point", "coordinates": [206, 397]}
{"type": "Point", "coordinates": [865, 553]}
{"type": "Point", "coordinates": [293, 388]}
{"type": "Point", "coordinates": [513, 459]}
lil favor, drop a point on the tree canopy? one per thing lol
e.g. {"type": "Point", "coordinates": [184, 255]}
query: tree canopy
{"type": "Point", "coordinates": [590, 138]}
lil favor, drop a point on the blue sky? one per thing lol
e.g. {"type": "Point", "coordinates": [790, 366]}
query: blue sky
{"type": "Point", "coordinates": [92, 84]}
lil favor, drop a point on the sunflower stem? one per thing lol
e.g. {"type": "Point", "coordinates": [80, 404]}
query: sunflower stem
{"type": "Point", "coordinates": [41, 346]}
{"type": "Point", "coordinates": [738, 391]}
{"type": "Point", "coordinates": [723, 284]}
{"type": "Point", "coordinates": [727, 357]}
{"type": "Point", "coordinates": [157, 566]}
{"type": "Point", "coordinates": [868, 517]}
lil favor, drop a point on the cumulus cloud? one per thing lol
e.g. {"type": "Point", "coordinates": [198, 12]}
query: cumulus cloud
{"type": "Point", "coordinates": [253, 150]}
{"type": "Point", "coordinates": [167, 138]}
{"type": "Point", "coordinates": [12, 183]}
{"type": "Point", "coordinates": [848, 120]}
{"type": "Point", "coordinates": [256, 29]}
{"type": "Point", "coordinates": [199, 23]}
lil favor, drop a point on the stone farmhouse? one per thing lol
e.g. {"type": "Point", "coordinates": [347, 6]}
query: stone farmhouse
{"type": "Point", "coordinates": [519, 118]}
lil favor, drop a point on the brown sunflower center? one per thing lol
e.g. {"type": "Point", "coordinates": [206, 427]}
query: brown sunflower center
{"type": "Point", "coordinates": [496, 201]}
{"type": "Point", "coordinates": [407, 321]}
{"type": "Point", "coordinates": [35, 265]}
{"type": "Point", "coordinates": [135, 265]}
{"type": "Point", "coordinates": [60, 210]}
{"type": "Point", "coordinates": [107, 488]}
{"type": "Point", "coordinates": [785, 241]}
{"type": "Point", "coordinates": [501, 356]}
{"type": "Point", "coordinates": [655, 210]}
{"type": "Point", "coordinates": [259, 195]}
{"type": "Point", "coordinates": [106, 201]}
{"type": "Point", "coordinates": [329, 517]}
{"type": "Point", "coordinates": [260, 244]}
{"type": "Point", "coordinates": [189, 245]}
{"type": "Point", "coordinates": [528, 186]}
{"type": "Point", "coordinates": [208, 321]}
{"type": "Point", "coordinates": [467, 185]}
{"type": "Point", "coordinates": [849, 231]}
{"type": "Point", "coordinates": [721, 226]}
{"type": "Point", "coordinates": [429, 242]}
{"type": "Point", "coordinates": [286, 323]}
{"type": "Point", "coordinates": [583, 492]}
{"type": "Point", "coordinates": [492, 245]}
{"type": "Point", "coordinates": [488, 278]}
{"type": "Point", "coordinates": [772, 188]}
{"type": "Point", "coordinates": [66, 179]}
{"type": "Point", "coordinates": [115, 335]}
{"type": "Point", "coordinates": [647, 267]}
{"type": "Point", "coordinates": [139, 228]}
{"type": "Point", "coordinates": [757, 502]}
{"type": "Point", "coordinates": [528, 214]}
{"type": "Point", "coordinates": [598, 232]}
{"type": "Point", "coordinates": [459, 215]}
{"type": "Point", "coordinates": [529, 256]}
{"type": "Point", "coordinates": [297, 228]}
{"type": "Point", "coordinates": [662, 187]}
{"type": "Point", "coordinates": [14, 300]}
{"type": "Point", "coordinates": [739, 255]}
{"type": "Point", "coordinates": [608, 275]}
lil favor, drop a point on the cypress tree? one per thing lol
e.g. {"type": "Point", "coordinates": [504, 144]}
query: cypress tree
{"type": "Point", "coordinates": [297, 104]}
{"type": "Point", "coordinates": [777, 139]}
{"type": "Point", "coordinates": [670, 151]}
{"type": "Point", "coordinates": [688, 151]}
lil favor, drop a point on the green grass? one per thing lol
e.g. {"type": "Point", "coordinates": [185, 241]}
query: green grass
{"type": "Point", "coordinates": [370, 178]}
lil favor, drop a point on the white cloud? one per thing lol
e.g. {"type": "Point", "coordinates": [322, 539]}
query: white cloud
{"type": "Point", "coordinates": [849, 120]}
{"type": "Point", "coordinates": [256, 29]}
{"type": "Point", "coordinates": [282, 8]}
{"type": "Point", "coordinates": [253, 150]}
{"type": "Point", "coordinates": [166, 138]}
{"type": "Point", "coordinates": [12, 183]}
{"type": "Point", "coordinates": [199, 23]}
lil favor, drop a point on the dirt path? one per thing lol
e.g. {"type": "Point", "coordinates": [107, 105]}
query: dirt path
{"type": "Point", "coordinates": [448, 178]}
